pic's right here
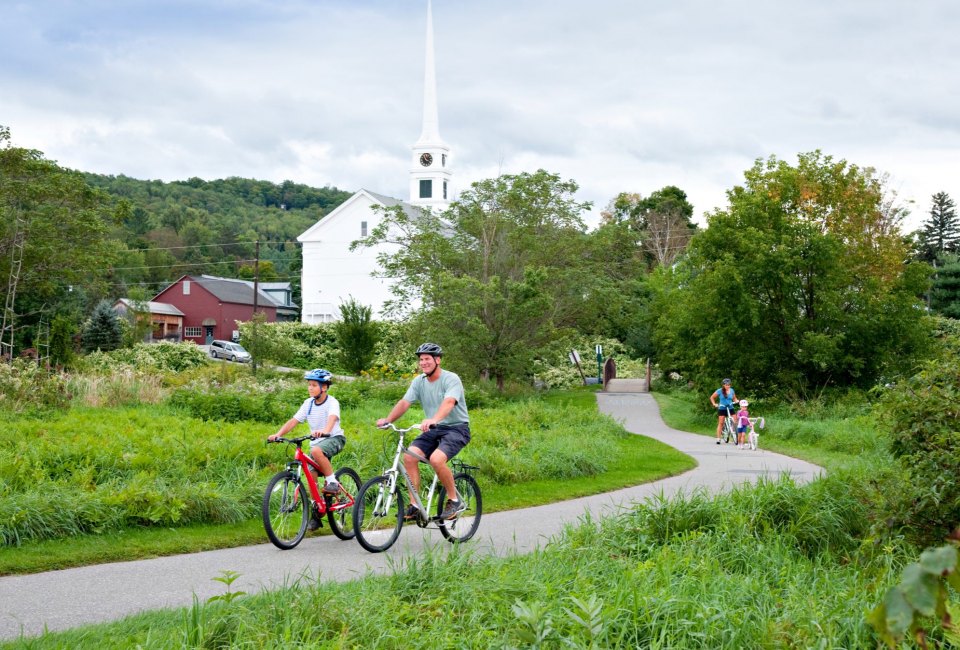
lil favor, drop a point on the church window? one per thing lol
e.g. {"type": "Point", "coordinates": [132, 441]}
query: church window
{"type": "Point", "coordinates": [444, 190]}
{"type": "Point", "coordinates": [426, 188]}
{"type": "Point", "coordinates": [363, 228]}
{"type": "Point", "coordinates": [443, 160]}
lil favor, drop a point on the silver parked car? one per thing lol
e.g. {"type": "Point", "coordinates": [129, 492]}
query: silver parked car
{"type": "Point", "coordinates": [229, 351]}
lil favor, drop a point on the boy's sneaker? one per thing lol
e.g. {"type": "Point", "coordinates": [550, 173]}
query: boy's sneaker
{"type": "Point", "coordinates": [331, 487]}
{"type": "Point", "coordinates": [411, 512]}
{"type": "Point", "coordinates": [314, 522]}
{"type": "Point", "coordinates": [453, 509]}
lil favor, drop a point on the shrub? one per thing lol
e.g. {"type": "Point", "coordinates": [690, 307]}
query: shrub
{"type": "Point", "coordinates": [295, 344]}
{"type": "Point", "coordinates": [922, 416]}
{"type": "Point", "coordinates": [164, 356]}
{"type": "Point", "coordinates": [26, 387]}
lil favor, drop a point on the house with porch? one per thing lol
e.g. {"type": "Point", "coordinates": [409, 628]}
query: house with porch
{"type": "Point", "coordinates": [166, 321]}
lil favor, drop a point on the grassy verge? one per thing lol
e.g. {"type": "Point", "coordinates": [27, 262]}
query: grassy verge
{"type": "Point", "coordinates": [768, 566]}
{"type": "Point", "coordinates": [630, 460]}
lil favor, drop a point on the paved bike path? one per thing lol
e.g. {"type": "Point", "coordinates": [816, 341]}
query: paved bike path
{"type": "Point", "coordinates": [59, 600]}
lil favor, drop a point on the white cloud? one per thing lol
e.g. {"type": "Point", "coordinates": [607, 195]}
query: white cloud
{"type": "Point", "coordinates": [619, 95]}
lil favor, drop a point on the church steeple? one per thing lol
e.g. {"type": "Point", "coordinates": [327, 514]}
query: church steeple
{"type": "Point", "coordinates": [430, 173]}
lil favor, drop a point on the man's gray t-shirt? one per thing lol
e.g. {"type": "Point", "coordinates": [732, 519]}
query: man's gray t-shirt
{"type": "Point", "coordinates": [431, 396]}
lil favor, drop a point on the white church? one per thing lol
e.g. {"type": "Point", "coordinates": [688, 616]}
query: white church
{"type": "Point", "coordinates": [326, 244]}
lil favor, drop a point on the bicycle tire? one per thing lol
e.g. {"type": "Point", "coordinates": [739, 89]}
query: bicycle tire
{"type": "Point", "coordinates": [729, 432]}
{"type": "Point", "coordinates": [376, 526]}
{"type": "Point", "coordinates": [466, 524]}
{"type": "Point", "coordinates": [340, 505]}
{"type": "Point", "coordinates": [286, 510]}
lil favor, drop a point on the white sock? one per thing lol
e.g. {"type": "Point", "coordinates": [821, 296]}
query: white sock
{"type": "Point", "coordinates": [331, 478]}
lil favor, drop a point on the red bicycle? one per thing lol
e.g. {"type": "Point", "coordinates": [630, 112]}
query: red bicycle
{"type": "Point", "coordinates": [288, 504]}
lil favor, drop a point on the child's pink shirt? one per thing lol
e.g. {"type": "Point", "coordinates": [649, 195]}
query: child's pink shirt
{"type": "Point", "coordinates": [743, 418]}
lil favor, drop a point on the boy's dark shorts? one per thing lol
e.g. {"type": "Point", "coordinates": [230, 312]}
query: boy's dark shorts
{"type": "Point", "coordinates": [448, 438]}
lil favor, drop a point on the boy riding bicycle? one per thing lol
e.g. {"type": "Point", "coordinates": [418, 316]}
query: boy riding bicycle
{"type": "Point", "coordinates": [321, 412]}
{"type": "Point", "coordinates": [445, 431]}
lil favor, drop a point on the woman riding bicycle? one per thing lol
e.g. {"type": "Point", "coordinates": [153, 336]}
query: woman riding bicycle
{"type": "Point", "coordinates": [723, 399]}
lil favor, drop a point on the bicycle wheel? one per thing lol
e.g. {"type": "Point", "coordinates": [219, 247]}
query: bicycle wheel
{"type": "Point", "coordinates": [285, 510]}
{"type": "Point", "coordinates": [729, 433]}
{"type": "Point", "coordinates": [377, 515]}
{"type": "Point", "coordinates": [464, 526]}
{"type": "Point", "coordinates": [340, 505]}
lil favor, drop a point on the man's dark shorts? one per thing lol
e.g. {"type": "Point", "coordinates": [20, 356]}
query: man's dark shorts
{"type": "Point", "coordinates": [448, 438]}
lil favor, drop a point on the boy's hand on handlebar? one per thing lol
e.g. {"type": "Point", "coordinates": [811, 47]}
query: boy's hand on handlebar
{"type": "Point", "coordinates": [274, 437]}
{"type": "Point", "coordinates": [382, 422]}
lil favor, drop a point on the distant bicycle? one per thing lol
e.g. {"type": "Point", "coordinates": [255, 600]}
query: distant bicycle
{"type": "Point", "coordinates": [729, 428]}
{"type": "Point", "coordinates": [288, 503]}
{"type": "Point", "coordinates": [378, 513]}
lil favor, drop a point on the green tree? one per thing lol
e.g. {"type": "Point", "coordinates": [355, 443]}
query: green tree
{"type": "Point", "coordinates": [940, 233]}
{"type": "Point", "coordinates": [102, 331]}
{"type": "Point", "coordinates": [798, 284]}
{"type": "Point", "coordinates": [53, 231]}
{"type": "Point", "coordinates": [945, 292]}
{"type": "Point", "coordinates": [356, 336]}
{"type": "Point", "coordinates": [497, 276]}
{"type": "Point", "coordinates": [660, 224]}
{"type": "Point", "coordinates": [62, 332]}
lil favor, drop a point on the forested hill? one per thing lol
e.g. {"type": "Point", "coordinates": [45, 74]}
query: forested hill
{"type": "Point", "coordinates": [197, 226]}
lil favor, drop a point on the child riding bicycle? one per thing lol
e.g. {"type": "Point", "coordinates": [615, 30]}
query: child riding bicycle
{"type": "Point", "coordinates": [321, 412]}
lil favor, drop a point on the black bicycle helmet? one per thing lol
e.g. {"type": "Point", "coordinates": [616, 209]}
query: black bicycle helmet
{"type": "Point", "coordinates": [430, 348]}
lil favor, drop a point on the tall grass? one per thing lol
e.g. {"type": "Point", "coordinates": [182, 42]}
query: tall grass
{"type": "Point", "coordinates": [96, 470]}
{"type": "Point", "coordinates": [765, 566]}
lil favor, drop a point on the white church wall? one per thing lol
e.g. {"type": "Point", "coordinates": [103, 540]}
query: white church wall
{"type": "Point", "coordinates": [332, 273]}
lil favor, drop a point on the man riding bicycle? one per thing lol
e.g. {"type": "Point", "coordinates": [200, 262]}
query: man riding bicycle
{"type": "Point", "coordinates": [440, 392]}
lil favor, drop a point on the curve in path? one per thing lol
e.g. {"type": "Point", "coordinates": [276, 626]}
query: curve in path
{"type": "Point", "coordinates": [60, 600]}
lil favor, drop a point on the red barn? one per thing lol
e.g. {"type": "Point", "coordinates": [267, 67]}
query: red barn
{"type": "Point", "coordinates": [212, 306]}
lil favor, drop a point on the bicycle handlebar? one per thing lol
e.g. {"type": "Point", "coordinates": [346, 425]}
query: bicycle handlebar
{"type": "Point", "coordinates": [391, 425]}
{"type": "Point", "coordinates": [297, 441]}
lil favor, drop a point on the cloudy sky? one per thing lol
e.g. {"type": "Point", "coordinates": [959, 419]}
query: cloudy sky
{"type": "Point", "coordinates": [619, 95]}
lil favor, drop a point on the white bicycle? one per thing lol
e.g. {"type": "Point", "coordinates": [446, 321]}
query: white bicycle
{"type": "Point", "coordinates": [378, 511]}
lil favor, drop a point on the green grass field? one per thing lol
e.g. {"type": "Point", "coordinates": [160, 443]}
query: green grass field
{"type": "Point", "coordinates": [774, 565]}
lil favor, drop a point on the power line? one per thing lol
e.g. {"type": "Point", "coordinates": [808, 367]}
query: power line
{"type": "Point", "coordinates": [221, 245]}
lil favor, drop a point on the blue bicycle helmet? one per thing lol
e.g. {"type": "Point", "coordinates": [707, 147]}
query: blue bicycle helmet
{"type": "Point", "coordinates": [319, 374]}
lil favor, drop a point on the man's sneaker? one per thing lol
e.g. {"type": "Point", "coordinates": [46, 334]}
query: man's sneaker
{"type": "Point", "coordinates": [331, 487]}
{"type": "Point", "coordinates": [453, 509]}
{"type": "Point", "coordinates": [411, 512]}
{"type": "Point", "coordinates": [718, 441]}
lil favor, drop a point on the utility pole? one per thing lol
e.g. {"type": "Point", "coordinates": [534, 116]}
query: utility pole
{"type": "Point", "coordinates": [256, 275]}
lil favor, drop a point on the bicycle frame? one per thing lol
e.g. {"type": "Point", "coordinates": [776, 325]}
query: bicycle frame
{"type": "Point", "coordinates": [300, 465]}
{"type": "Point", "coordinates": [397, 469]}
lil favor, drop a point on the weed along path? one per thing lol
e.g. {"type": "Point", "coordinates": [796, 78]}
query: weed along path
{"type": "Point", "coordinates": [69, 598]}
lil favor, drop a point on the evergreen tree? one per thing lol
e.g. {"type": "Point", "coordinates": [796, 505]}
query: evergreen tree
{"type": "Point", "coordinates": [356, 336]}
{"type": "Point", "coordinates": [61, 340]}
{"type": "Point", "coordinates": [102, 331]}
{"type": "Point", "coordinates": [945, 292]}
{"type": "Point", "coordinates": [941, 232]}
